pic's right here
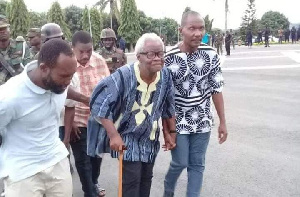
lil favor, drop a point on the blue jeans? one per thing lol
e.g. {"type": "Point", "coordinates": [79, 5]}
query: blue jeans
{"type": "Point", "coordinates": [189, 153]}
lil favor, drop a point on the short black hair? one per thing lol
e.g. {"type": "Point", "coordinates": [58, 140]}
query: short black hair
{"type": "Point", "coordinates": [82, 37]}
{"type": "Point", "coordinates": [51, 50]}
{"type": "Point", "coordinates": [186, 14]}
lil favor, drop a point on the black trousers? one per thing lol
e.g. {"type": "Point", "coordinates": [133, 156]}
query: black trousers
{"type": "Point", "coordinates": [137, 179]}
{"type": "Point", "coordinates": [227, 47]}
{"type": "Point", "coordinates": [88, 168]}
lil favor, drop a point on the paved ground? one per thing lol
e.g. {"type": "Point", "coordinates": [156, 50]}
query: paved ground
{"type": "Point", "coordinates": [262, 155]}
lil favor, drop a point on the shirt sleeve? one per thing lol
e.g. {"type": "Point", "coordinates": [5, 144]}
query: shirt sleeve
{"type": "Point", "coordinates": [104, 99]}
{"type": "Point", "coordinates": [169, 105]}
{"type": "Point", "coordinates": [6, 111]}
{"type": "Point", "coordinates": [215, 77]}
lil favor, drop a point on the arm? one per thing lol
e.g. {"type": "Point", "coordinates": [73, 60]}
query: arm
{"type": "Point", "coordinates": [124, 59]}
{"type": "Point", "coordinates": [76, 96]}
{"type": "Point", "coordinates": [68, 122]}
{"type": "Point", "coordinates": [169, 131]}
{"type": "Point", "coordinates": [116, 142]}
{"type": "Point", "coordinates": [219, 105]}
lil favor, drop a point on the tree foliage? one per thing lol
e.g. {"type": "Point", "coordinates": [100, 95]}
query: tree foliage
{"type": "Point", "coordinates": [129, 27]}
{"type": "Point", "coordinates": [113, 7]}
{"type": "Point", "coordinates": [208, 24]}
{"type": "Point", "coordinates": [56, 15]}
{"type": "Point", "coordinates": [3, 5]}
{"type": "Point", "coordinates": [249, 21]}
{"type": "Point", "coordinates": [275, 21]}
{"type": "Point", "coordinates": [18, 18]}
{"type": "Point", "coordinates": [96, 24]}
{"type": "Point", "coordinates": [37, 19]}
{"type": "Point", "coordinates": [73, 16]}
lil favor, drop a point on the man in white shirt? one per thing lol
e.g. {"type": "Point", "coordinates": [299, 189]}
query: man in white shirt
{"type": "Point", "coordinates": [33, 160]}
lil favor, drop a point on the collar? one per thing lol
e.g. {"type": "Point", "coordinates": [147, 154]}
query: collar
{"type": "Point", "coordinates": [89, 63]}
{"type": "Point", "coordinates": [36, 89]}
{"type": "Point", "coordinates": [143, 85]}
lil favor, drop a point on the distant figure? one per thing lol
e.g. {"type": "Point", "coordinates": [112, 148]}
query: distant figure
{"type": "Point", "coordinates": [280, 35]}
{"type": "Point", "coordinates": [293, 34]}
{"type": "Point", "coordinates": [213, 38]}
{"type": "Point", "coordinates": [287, 35]}
{"type": "Point", "coordinates": [205, 38]}
{"type": "Point", "coordinates": [249, 38]}
{"type": "Point", "coordinates": [232, 39]}
{"type": "Point", "coordinates": [219, 42]}
{"type": "Point", "coordinates": [267, 34]}
{"type": "Point", "coordinates": [259, 36]}
{"type": "Point", "coordinates": [298, 33]}
{"type": "Point", "coordinates": [228, 39]}
{"type": "Point", "coordinates": [122, 44]}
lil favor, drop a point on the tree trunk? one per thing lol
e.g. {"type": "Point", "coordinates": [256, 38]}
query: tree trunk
{"type": "Point", "coordinates": [131, 47]}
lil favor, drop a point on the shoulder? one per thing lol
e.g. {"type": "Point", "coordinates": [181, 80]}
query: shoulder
{"type": "Point", "coordinates": [97, 57]}
{"type": "Point", "coordinates": [172, 51]}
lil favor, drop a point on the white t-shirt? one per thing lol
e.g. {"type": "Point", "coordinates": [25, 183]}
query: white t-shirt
{"type": "Point", "coordinates": [70, 103]}
{"type": "Point", "coordinates": [29, 121]}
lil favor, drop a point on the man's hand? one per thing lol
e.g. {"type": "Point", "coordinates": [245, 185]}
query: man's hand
{"type": "Point", "coordinates": [116, 142]}
{"type": "Point", "coordinates": [75, 134]}
{"type": "Point", "coordinates": [66, 142]}
{"type": "Point", "coordinates": [170, 141]}
{"type": "Point", "coordinates": [222, 133]}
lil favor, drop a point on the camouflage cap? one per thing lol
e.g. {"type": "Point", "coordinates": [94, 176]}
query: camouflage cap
{"type": "Point", "coordinates": [33, 32]}
{"type": "Point", "coordinates": [3, 21]}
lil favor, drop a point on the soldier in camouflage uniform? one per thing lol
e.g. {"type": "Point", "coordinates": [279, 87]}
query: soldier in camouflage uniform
{"type": "Point", "coordinates": [11, 51]}
{"type": "Point", "coordinates": [34, 38]}
{"type": "Point", "coordinates": [219, 43]}
{"type": "Point", "coordinates": [114, 57]}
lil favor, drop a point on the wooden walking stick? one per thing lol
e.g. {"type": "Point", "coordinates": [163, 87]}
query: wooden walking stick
{"type": "Point", "coordinates": [121, 152]}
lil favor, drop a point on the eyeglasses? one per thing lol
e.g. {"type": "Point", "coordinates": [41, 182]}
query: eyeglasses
{"type": "Point", "coordinates": [151, 55]}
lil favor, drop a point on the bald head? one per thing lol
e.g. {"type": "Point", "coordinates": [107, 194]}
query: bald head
{"type": "Point", "coordinates": [187, 14]}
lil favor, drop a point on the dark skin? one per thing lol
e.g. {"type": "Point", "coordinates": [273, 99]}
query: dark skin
{"type": "Point", "coordinates": [108, 43]}
{"type": "Point", "coordinates": [83, 53]}
{"type": "Point", "coordinates": [35, 41]}
{"type": "Point", "coordinates": [148, 72]}
{"type": "Point", "coordinates": [192, 32]}
{"type": "Point", "coordinates": [4, 37]}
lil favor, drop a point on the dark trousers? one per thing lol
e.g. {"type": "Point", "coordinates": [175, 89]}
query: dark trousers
{"type": "Point", "coordinates": [88, 168]}
{"type": "Point", "coordinates": [227, 47]}
{"type": "Point", "coordinates": [267, 42]}
{"type": "Point", "coordinates": [137, 179]}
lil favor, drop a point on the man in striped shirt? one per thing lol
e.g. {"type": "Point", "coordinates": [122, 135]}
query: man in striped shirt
{"type": "Point", "coordinates": [197, 77]}
{"type": "Point", "coordinates": [91, 68]}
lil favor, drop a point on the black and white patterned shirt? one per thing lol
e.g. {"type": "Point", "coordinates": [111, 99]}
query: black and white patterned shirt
{"type": "Point", "coordinates": [196, 76]}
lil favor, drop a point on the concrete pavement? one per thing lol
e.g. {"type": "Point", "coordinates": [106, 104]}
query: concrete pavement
{"type": "Point", "coordinates": [262, 155]}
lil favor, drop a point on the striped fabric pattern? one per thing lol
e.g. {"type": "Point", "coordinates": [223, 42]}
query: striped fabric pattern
{"type": "Point", "coordinates": [135, 108]}
{"type": "Point", "coordinates": [196, 76]}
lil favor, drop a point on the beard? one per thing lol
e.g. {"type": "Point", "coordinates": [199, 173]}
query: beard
{"type": "Point", "coordinates": [51, 85]}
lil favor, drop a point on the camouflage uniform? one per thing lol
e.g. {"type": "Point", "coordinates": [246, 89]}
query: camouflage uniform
{"type": "Point", "coordinates": [114, 58]}
{"type": "Point", "coordinates": [32, 33]}
{"type": "Point", "coordinates": [14, 54]}
{"type": "Point", "coordinates": [218, 43]}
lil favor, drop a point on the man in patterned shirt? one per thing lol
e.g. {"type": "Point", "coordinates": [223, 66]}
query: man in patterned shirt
{"type": "Point", "coordinates": [129, 105]}
{"type": "Point", "coordinates": [197, 77]}
{"type": "Point", "coordinates": [91, 68]}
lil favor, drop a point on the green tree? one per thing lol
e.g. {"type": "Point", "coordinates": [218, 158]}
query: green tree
{"type": "Point", "coordinates": [19, 18]}
{"type": "Point", "coordinates": [8, 10]}
{"type": "Point", "coordinates": [208, 24]}
{"type": "Point", "coordinates": [169, 30]}
{"type": "Point", "coordinates": [96, 24]}
{"type": "Point", "coordinates": [37, 19]}
{"type": "Point", "coordinates": [249, 20]}
{"type": "Point", "coordinates": [3, 5]}
{"type": "Point", "coordinates": [113, 9]}
{"type": "Point", "coordinates": [146, 23]}
{"type": "Point", "coordinates": [275, 21]}
{"type": "Point", "coordinates": [130, 28]}
{"type": "Point", "coordinates": [56, 15]}
{"type": "Point", "coordinates": [73, 16]}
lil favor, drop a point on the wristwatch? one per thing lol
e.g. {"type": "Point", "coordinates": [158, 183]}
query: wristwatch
{"type": "Point", "coordinates": [173, 131]}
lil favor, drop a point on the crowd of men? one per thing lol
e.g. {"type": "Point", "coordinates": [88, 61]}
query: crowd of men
{"type": "Point", "coordinates": [56, 96]}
